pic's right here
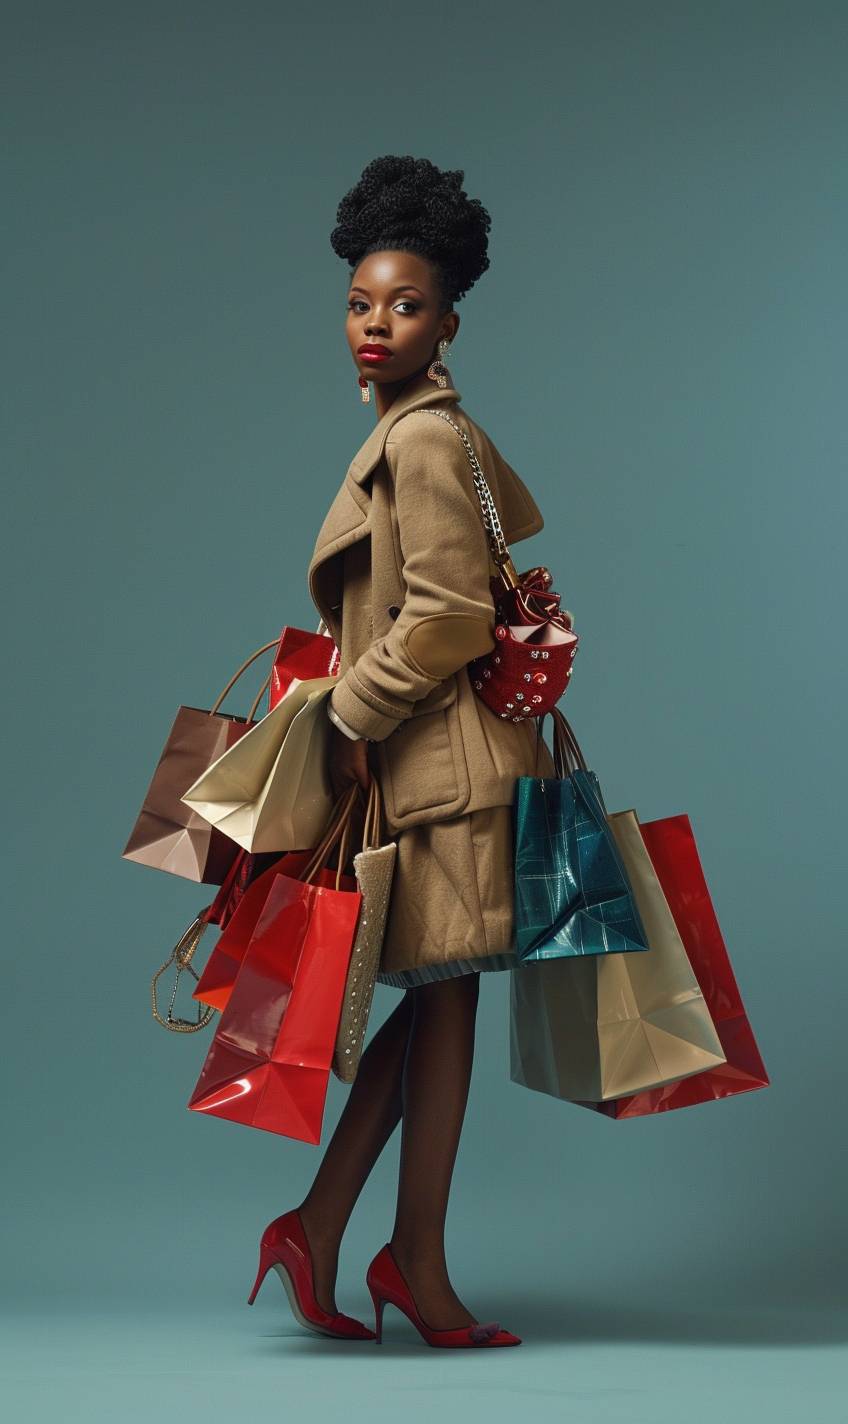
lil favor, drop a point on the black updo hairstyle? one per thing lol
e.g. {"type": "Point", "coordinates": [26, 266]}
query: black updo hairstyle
{"type": "Point", "coordinates": [411, 205]}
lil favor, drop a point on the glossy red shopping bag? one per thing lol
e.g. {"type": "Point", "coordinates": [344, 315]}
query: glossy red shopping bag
{"type": "Point", "coordinates": [671, 845]}
{"type": "Point", "coordinates": [299, 656]}
{"type": "Point", "coordinates": [216, 982]}
{"type": "Point", "coordinates": [269, 1062]}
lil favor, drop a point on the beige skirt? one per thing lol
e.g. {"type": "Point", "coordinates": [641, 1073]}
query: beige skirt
{"type": "Point", "coordinates": [451, 906]}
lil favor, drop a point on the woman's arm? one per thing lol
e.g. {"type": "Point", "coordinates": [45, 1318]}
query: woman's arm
{"type": "Point", "coordinates": [448, 616]}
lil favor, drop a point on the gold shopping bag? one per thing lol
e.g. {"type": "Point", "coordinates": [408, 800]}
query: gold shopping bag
{"type": "Point", "coordinates": [272, 791]}
{"type": "Point", "coordinates": [608, 1025]}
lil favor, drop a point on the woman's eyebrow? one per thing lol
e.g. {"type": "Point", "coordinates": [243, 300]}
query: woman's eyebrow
{"type": "Point", "coordinates": [404, 287]}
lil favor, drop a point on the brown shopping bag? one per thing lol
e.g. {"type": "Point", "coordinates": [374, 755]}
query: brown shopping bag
{"type": "Point", "coordinates": [168, 835]}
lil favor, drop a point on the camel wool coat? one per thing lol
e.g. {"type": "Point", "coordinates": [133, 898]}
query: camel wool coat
{"type": "Point", "coordinates": [400, 573]}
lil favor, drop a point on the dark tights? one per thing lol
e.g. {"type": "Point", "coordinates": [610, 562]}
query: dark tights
{"type": "Point", "coordinates": [417, 1068]}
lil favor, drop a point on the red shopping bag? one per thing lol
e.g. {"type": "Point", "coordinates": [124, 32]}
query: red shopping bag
{"type": "Point", "coordinates": [246, 867]}
{"type": "Point", "coordinates": [216, 982]}
{"type": "Point", "coordinates": [269, 1062]}
{"type": "Point", "coordinates": [299, 656]}
{"type": "Point", "coordinates": [671, 845]}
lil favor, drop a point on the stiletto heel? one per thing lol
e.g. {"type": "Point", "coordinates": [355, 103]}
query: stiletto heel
{"type": "Point", "coordinates": [378, 1317]}
{"type": "Point", "coordinates": [387, 1284]}
{"type": "Point", "coordinates": [266, 1261]}
{"type": "Point", "coordinates": [285, 1247]}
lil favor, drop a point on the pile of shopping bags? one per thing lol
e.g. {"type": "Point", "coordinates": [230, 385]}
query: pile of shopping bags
{"type": "Point", "coordinates": [279, 974]}
{"type": "Point", "coordinates": [247, 804]}
{"type": "Point", "coordinates": [180, 837]}
{"type": "Point", "coordinates": [625, 1000]}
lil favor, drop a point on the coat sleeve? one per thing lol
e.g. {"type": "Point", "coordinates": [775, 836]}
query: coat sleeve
{"type": "Point", "coordinates": [337, 722]}
{"type": "Point", "coordinates": [448, 615]}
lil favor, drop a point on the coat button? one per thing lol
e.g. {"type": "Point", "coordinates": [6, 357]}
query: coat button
{"type": "Point", "coordinates": [394, 610]}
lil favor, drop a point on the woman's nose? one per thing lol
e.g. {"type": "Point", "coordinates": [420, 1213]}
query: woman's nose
{"type": "Point", "coordinates": [375, 323]}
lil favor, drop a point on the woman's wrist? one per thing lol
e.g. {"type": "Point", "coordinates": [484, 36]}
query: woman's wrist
{"type": "Point", "coordinates": [342, 726]}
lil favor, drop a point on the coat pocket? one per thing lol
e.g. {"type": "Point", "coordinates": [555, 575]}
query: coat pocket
{"type": "Point", "coordinates": [422, 767]}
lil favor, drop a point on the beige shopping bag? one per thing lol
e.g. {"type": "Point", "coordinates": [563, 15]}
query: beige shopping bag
{"type": "Point", "coordinates": [275, 793]}
{"type": "Point", "coordinates": [602, 1026]}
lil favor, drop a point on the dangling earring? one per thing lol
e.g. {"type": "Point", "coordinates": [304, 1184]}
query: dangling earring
{"type": "Point", "coordinates": [437, 370]}
{"type": "Point", "coordinates": [366, 394]}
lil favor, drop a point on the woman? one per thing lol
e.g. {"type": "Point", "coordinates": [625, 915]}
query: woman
{"type": "Point", "coordinates": [400, 573]}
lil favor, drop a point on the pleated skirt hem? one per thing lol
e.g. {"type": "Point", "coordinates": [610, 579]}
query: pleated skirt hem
{"type": "Point", "coordinates": [447, 969]}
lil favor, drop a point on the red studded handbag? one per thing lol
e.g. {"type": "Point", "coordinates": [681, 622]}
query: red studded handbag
{"type": "Point", "coordinates": [529, 668]}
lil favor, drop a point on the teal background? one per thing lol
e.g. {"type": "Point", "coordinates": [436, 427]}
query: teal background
{"type": "Point", "coordinates": [658, 347]}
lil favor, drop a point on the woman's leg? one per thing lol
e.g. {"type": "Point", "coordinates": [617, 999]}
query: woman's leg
{"type": "Point", "coordinates": [417, 1065]}
{"type": "Point", "coordinates": [436, 1079]}
{"type": "Point", "coordinates": [370, 1115]}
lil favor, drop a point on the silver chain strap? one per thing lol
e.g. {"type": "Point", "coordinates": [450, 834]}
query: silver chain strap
{"type": "Point", "coordinates": [491, 521]}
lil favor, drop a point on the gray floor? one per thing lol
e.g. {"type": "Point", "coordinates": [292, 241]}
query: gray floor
{"type": "Point", "coordinates": [599, 1363]}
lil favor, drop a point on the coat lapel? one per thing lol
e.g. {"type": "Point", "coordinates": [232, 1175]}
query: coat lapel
{"type": "Point", "coordinates": [349, 516]}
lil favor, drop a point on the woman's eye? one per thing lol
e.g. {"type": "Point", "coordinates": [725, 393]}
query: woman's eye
{"type": "Point", "coordinates": [357, 303]}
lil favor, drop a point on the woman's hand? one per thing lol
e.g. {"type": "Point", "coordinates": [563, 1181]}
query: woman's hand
{"type": "Point", "coordinates": [348, 761]}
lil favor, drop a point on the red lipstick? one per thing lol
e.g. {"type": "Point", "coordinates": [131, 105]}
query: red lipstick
{"type": "Point", "coordinates": [373, 352]}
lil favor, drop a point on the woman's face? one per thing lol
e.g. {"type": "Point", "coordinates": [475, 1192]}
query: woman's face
{"type": "Point", "coordinates": [394, 303]}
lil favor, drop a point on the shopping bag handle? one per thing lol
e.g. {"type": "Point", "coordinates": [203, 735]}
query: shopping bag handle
{"type": "Point", "coordinates": [372, 833]}
{"type": "Point", "coordinates": [339, 827]}
{"type": "Point", "coordinates": [567, 752]}
{"type": "Point", "coordinates": [235, 677]}
{"type": "Point", "coordinates": [322, 627]}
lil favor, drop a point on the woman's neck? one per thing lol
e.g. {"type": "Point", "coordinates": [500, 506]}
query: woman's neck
{"type": "Point", "coordinates": [387, 392]}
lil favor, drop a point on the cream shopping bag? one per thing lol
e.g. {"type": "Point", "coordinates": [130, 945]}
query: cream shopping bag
{"type": "Point", "coordinates": [275, 793]}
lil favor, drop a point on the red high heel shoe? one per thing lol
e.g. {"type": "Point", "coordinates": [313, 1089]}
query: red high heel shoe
{"type": "Point", "coordinates": [386, 1284]}
{"type": "Point", "coordinates": [285, 1247]}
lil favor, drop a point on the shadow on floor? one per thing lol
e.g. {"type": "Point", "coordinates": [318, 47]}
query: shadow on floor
{"type": "Point", "coordinates": [574, 1321]}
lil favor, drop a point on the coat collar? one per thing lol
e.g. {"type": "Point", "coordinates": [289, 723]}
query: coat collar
{"type": "Point", "coordinates": [349, 517]}
{"type": "Point", "coordinates": [519, 514]}
{"type": "Point", "coordinates": [421, 391]}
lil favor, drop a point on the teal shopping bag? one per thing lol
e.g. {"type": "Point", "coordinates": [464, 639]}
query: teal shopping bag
{"type": "Point", "coordinates": [572, 893]}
